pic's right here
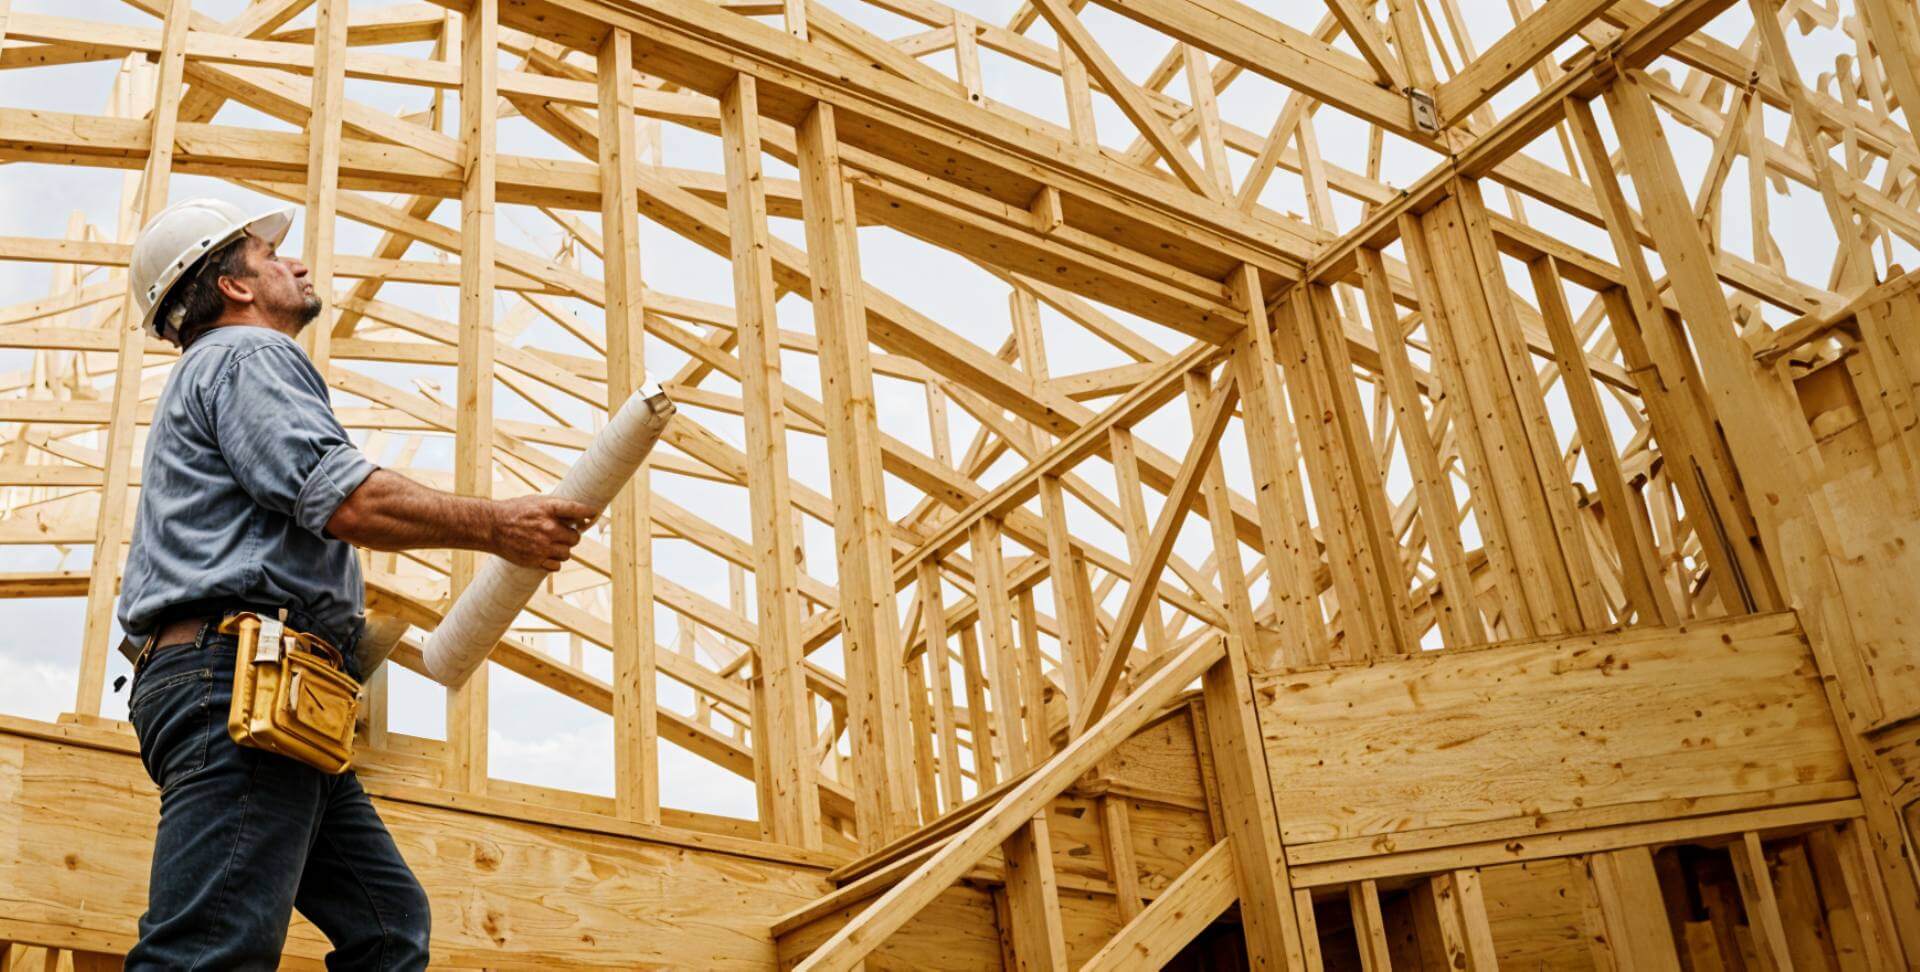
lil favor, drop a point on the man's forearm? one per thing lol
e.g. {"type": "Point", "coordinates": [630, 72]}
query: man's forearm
{"type": "Point", "coordinates": [391, 512]}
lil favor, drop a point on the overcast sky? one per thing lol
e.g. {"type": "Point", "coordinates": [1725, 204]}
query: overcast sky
{"type": "Point", "coordinates": [536, 735]}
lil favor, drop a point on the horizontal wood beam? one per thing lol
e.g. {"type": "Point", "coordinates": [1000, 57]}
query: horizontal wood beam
{"type": "Point", "coordinates": [702, 47]}
{"type": "Point", "coordinates": [1234, 31]}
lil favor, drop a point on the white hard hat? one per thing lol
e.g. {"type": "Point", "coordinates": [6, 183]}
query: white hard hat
{"type": "Point", "coordinates": [172, 242]}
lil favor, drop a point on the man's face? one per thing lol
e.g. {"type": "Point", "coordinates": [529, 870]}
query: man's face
{"type": "Point", "coordinates": [281, 290]}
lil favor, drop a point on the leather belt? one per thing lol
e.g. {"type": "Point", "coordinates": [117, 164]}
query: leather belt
{"type": "Point", "coordinates": [182, 631]}
{"type": "Point", "coordinates": [185, 632]}
{"type": "Point", "coordinates": [185, 628]}
{"type": "Point", "coordinates": [179, 633]}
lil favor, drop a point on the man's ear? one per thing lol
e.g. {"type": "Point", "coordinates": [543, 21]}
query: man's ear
{"type": "Point", "coordinates": [236, 289]}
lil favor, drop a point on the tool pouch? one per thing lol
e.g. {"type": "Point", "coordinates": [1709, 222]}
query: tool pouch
{"type": "Point", "coordinates": [291, 694]}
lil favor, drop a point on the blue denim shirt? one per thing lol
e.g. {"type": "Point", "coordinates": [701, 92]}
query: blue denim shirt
{"type": "Point", "coordinates": [245, 464]}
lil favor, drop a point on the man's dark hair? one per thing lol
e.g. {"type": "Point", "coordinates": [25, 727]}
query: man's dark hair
{"type": "Point", "coordinates": [198, 294]}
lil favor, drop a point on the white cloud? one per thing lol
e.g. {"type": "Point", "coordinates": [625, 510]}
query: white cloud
{"type": "Point", "coordinates": [688, 782]}
{"type": "Point", "coordinates": [581, 759]}
{"type": "Point", "coordinates": [35, 689]}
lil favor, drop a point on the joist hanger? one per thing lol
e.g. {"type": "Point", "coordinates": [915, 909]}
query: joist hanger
{"type": "Point", "coordinates": [1426, 114]}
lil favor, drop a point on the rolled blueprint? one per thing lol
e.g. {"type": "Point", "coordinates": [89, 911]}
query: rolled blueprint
{"type": "Point", "coordinates": [377, 641]}
{"type": "Point", "coordinates": [501, 589]}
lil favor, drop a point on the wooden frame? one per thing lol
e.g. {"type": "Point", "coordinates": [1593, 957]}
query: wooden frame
{"type": "Point", "coordinates": [1542, 391]}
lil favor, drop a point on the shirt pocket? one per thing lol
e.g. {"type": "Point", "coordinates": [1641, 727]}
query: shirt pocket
{"type": "Point", "coordinates": [173, 720]}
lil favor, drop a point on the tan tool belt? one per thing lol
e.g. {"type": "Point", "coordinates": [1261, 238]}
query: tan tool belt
{"type": "Point", "coordinates": [291, 694]}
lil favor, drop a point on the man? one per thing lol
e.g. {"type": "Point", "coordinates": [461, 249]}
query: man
{"type": "Point", "coordinates": [253, 499]}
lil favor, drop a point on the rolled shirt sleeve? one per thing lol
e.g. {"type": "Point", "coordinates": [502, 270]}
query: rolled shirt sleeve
{"type": "Point", "coordinates": [278, 432]}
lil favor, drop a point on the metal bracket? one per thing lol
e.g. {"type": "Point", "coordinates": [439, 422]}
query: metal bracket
{"type": "Point", "coordinates": [1426, 115]}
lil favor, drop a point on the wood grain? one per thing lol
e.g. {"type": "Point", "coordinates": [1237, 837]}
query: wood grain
{"type": "Point", "coordinates": [501, 890]}
{"type": "Point", "coordinates": [1449, 738]}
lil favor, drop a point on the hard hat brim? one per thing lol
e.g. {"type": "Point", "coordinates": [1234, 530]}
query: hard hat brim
{"type": "Point", "coordinates": [271, 226]}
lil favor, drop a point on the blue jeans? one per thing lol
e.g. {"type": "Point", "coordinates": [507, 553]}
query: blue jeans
{"type": "Point", "coordinates": [247, 836]}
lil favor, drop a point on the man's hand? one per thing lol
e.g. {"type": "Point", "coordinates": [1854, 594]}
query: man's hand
{"type": "Point", "coordinates": [391, 512]}
{"type": "Point", "coordinates": [538, 531]}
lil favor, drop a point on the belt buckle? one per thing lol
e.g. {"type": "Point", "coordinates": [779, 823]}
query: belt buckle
{"type": "Point", "coordinates": [145, 653]}
{"type": "Point", "coordinates": [153, 643]}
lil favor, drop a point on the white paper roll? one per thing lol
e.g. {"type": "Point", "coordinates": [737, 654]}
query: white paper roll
{"type": "Point", "coordinates": [501, 589]}
{"type": "Point", "coordinates": [381, 635]}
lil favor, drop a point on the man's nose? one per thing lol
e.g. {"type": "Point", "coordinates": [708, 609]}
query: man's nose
{"type": "Point", "coordinates": [299, 269]}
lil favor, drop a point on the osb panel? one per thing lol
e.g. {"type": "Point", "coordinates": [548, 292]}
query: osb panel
{"type": "Point", "coordinates": [83, 825]}
{"type": "Point", "coordinates": [1897, 749]}
{"type": "Point", "coordinates": [1160, 757]}
{"type": "Point", "coordinates": [406, 760]}
{"type": "Point", "coordinates": [1876, 562]}
{"type": "Point", "coordinates": [1447, 738]}
{"type": "Point", "coordinates": [76, 830]}
{"type": "Point", "coordinates": [1073, 828]}
{"type": "Point", "coordinates": [1870, 531]}
{"type": "Point", "coordinates": [1165, 841]}
{"type": "Point", "coordinates": [1089, 921]}
{"type": "Point", "coordinates": [958, 931]}
{"type": "Point", "coordinates": [1535, 912]}
{"type": "Point", "coordinates": [13, 755]}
